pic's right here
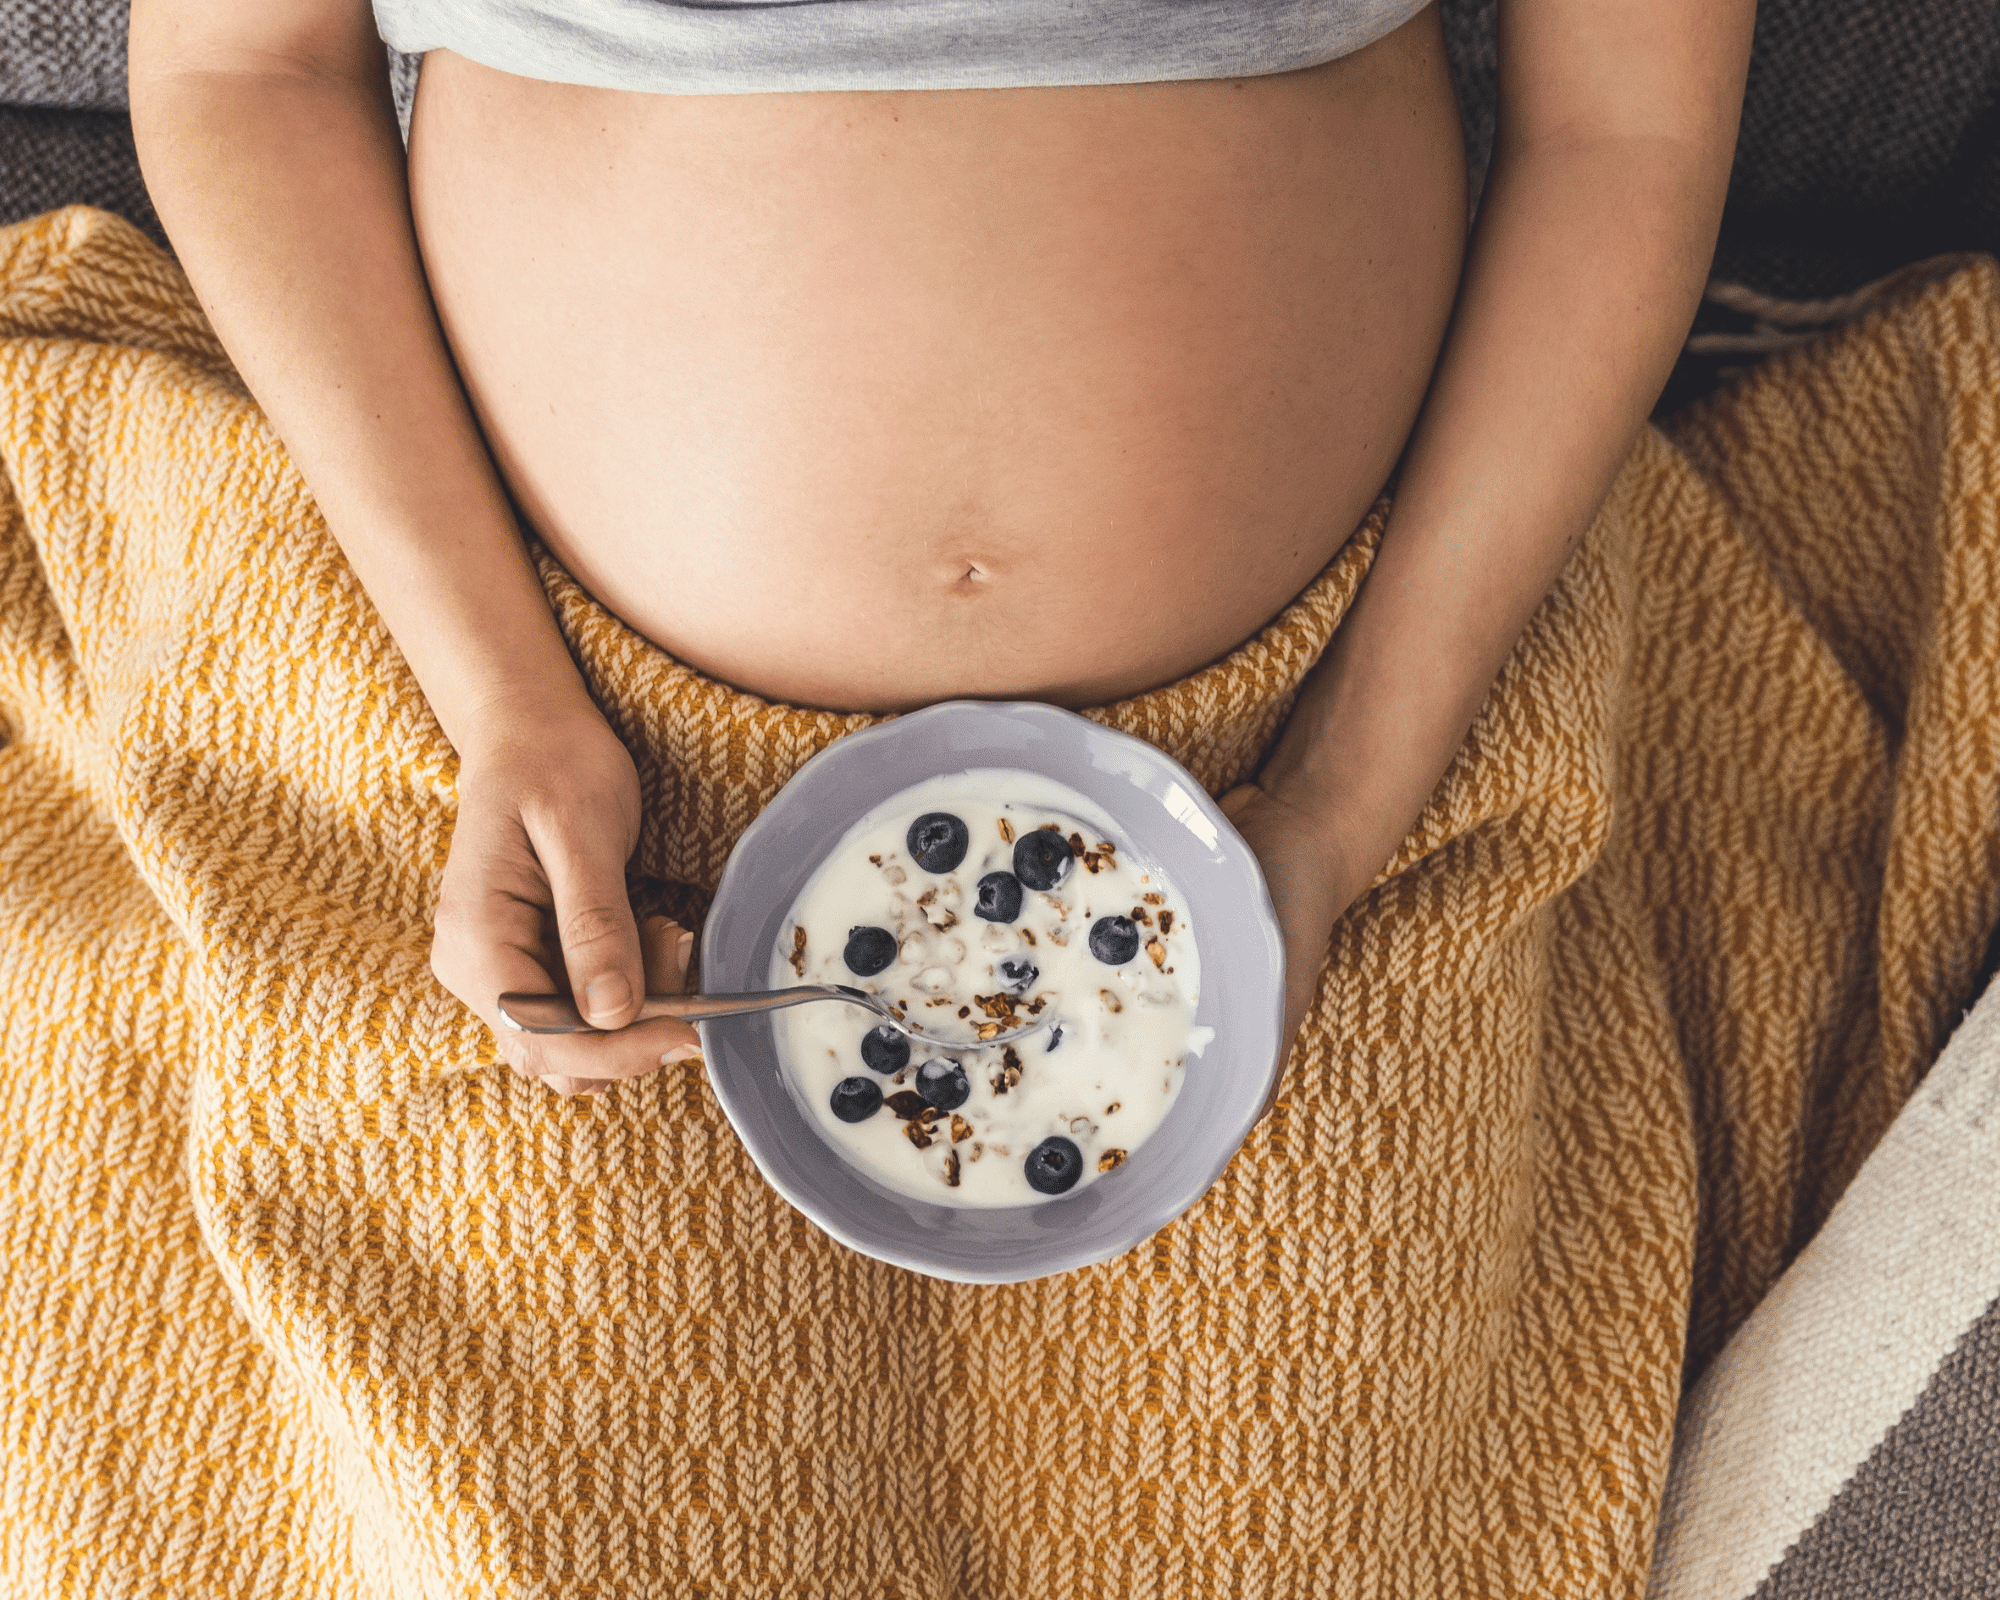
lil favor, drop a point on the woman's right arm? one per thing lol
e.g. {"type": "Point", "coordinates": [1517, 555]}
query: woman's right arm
{"type": "Point", "coordinates": [270, 147]}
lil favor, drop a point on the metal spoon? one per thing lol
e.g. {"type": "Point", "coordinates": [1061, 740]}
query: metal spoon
{"type": "Point", "coordinates": [557, 1013]}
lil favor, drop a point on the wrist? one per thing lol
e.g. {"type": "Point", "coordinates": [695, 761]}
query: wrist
{"type": "Point", "coordinates": [1355, 810]}
{"type": "Point", "coordinates": [539, 712]}
{"type": "Point", "coordinates": [1327, 856]}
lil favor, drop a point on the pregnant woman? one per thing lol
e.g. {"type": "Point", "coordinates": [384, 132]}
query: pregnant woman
{"type": "Point", "coordinates": [862, 355]}
{"type": "Point", "coordinates": [711, 376]}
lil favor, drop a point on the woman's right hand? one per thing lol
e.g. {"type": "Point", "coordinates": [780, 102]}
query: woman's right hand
{"type": "Point", "coordinates": [271, 152]}
{"type": "Point", "coordinates": [534, 900]}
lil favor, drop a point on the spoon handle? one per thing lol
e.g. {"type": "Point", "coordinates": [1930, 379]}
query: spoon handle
{"type": "Point", "coordinates": [557, 1013]}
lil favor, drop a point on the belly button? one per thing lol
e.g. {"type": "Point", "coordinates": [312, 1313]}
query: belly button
{"type": "Point", "coordinates": [967, 577]}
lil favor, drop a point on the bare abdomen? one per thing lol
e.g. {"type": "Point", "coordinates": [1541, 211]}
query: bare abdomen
{"type": "Point", "coordinates": [867, 400]}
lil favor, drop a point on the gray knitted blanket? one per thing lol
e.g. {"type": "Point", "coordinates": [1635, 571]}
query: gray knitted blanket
{"type": "Point", "coordinates": [63, 53]}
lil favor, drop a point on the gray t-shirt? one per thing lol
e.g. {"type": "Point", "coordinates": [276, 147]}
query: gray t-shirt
{"type": "Point", "coordinates": [766, 46]}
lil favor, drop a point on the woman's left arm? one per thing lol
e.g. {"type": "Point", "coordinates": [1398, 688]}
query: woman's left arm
{"type": "Point", "coordinates": [1617, 121]}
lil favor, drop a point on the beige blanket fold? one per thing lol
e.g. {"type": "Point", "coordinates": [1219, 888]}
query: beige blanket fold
{"type": "Point", "coordinates": [305, 1295]}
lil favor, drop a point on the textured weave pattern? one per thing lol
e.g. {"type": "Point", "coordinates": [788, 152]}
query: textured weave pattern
{"type": "Point", "coordinates": [1921, 1519]}
{"type": "Point", "coordinates": [51, 157]}
{"type": "Point", "coordinates": [304, 1295]}
{"type": "Point", "coordinates": [1842, 1442]}
{"type": "Point", "coordinates": [63, 53]}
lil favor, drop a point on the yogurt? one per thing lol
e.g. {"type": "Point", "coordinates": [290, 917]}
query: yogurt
{"type": "Point", "coordinates": [978, 903]}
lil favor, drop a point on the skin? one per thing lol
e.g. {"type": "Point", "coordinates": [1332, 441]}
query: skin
{"type": "Point", "coordinates": [268, 143]}
{"type": "Point", "coordinates": [800, 376]}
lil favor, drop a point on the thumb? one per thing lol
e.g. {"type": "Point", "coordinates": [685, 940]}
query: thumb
{"type": "Point", "coordinates": [595, 925]}
{"type": "Point", "coordinates": [1237, 798]}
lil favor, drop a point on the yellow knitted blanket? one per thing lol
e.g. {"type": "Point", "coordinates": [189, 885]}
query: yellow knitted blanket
{"type": "Point", "coordinates": [305, 1296]}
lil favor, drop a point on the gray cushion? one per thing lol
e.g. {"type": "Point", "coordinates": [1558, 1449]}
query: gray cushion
{"type": "Point", "coordinates": [51, 157]}
{"type": "Point", "coordinates": [63, 53]}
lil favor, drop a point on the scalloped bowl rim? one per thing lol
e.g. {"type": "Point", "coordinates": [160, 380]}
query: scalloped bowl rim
{"type": "Point", "coordinates": [1225, 890]}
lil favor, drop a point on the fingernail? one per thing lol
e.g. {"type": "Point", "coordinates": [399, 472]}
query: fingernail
{"type": "Point", "coordinates": [678, 1054]}
{"type": "Point", "coordinates": [607, 995]}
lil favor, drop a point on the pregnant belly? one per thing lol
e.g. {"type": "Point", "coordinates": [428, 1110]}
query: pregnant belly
{"type": "Point", "coordinates": [868, 400]}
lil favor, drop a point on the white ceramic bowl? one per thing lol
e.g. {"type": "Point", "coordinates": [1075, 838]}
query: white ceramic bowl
{"type": "Point", "coordinates": [1167, 821]}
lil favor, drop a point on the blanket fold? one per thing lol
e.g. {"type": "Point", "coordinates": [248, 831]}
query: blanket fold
{"type": "Point", "coordinates": [306, 1296]}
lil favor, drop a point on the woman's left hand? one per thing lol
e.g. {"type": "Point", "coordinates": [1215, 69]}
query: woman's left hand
{"type": "Point", "coordinates": [1311, 883]}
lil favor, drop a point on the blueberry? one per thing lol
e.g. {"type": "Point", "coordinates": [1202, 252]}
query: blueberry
{"type": "Point", "coordinates": [884, 1050]}
{"type": "Point", "coordinates": [1054, 1165]}
{"type": "Point", "coordinates": [943, 1084]}
{"type": "Point", "coordinates": [1055, 1038]}
{"type": "Point", "coordinates": [938, 841]}
{"type": "Point", "coordinates": [856, 1099]}
{"type": "Point", "coordinates": [869, 950]}
{"type": "Point", "coordinates": [1113, 940]}
{"type": "Point", "coordinates": [999, 897]}
{"type": "Point", "coordinates": [1041, 858]}
{"type": "Point", "coordinates": [1017, 973]}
